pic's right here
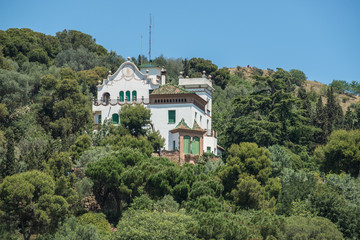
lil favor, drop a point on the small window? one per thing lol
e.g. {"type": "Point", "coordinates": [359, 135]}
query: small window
{"type": "Point", "coordinates": [99, 119]}
{"type": "Point", "coordinates": [121, 96]}
{"type": "Point", "coordinates": [134, 98]}
{"type": "Point", "coordinates": [208, 149]}
{"type": "Point", "coordinates": [200, 120]}
{"type": "Point", "coordinates": [174, 146]}
{"type": "Point", "coordinates": [115, 118]}
{"type": "Point", "coordinates": [172, 116]}
{"type": "Point", "coordinates": [127, 95]}
{"type": "Point", "coordinates": [195, 115]}
{"type": "Point", "coordinates": [106, 97]}
{"type": "Point", "coordinates": [207, 124]}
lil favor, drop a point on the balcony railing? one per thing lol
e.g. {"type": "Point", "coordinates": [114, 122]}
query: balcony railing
{"type": "Point", "coordinates": [117, 101]}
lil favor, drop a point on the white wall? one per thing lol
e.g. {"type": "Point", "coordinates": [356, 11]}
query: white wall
{"type": "Point", "coordinates": [210, 142]}
{"type": "Point", "coordinates": [160, 118]}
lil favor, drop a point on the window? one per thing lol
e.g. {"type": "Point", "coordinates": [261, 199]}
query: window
{"type": "Point", "coordinates": [174, 148]}
{"type": "Point", "coordinates": [99, 119]}
{"type": "Point", "coordinates": [172, 116]}
{"type": "Point", "coordinates": [200, 120]}
{"type": "Point", "coordinates": [208, 149]}
{"type": "Point", "coordinates": [195, 145]}
{"type": "Point", "coordinates": [127, 95]}
{"type": "Point", "coordinates": [115, 118]}
{"type": "Point", "coordinates": [186, 147]}
{"type": "Point", "coordinates": [134, 96]}
{"type": "Point", "coordinates": [106, 97]}
{"type": "Point", "coordinates": [207, 124]}
{"type": "Point", "coordinates": [121, 96]}
{"type": "Point", "coordinates": [195, 115]}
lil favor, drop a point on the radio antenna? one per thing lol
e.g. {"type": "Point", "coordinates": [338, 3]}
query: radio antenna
{"type": "Point", "coordinates": [150, 39]}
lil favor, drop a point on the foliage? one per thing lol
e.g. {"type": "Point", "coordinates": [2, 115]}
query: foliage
{"type": "Point", "coordinates": [297, 227]}
{"type": "Point", "coordinates": [156, 140]}
{"type": "Point", "coordinates": [96, 219]}
{"type": "Point", "coordinates": [81, 144]}
{"type": "Point", "coordinates": [156, 225]}
{"type": "Point", "coordinates": [341, 153]}
{"type": "Point", "coordinates": [135, 118]}
{"type": "Point", "coordinates": [28, 198]}
{"type": "Point", "coordinates": [71, 229]}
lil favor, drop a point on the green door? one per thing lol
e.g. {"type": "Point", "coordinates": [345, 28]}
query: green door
{"type": "Point", "coordinates": [195, 145]}
{"type": "Point", "coordinates": [115, 118]}
{"type": "Point", "coordinates": [186, 145]}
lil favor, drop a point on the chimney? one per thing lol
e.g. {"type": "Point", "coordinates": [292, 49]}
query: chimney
{"type": "Point", "coordinates": [163, 75]}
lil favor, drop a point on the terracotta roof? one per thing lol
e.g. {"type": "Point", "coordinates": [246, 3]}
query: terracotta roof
{"type": "Point", "coordinates": [196, 126]}
{"type": "Point", "coordinates": [182, 125]}
{"type": "Point", "coordinates": [169, 89]}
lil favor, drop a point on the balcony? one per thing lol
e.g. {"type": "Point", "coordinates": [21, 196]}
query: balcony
{"type": "Point", "coordinates": [112, 102]}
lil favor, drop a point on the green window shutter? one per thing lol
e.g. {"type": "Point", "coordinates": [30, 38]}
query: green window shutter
{"type": "Point", "coordinates": [115, 118]}
{"type": "Point", "coordinates": [186, 144]}
{"type": "Point", "coordinates": [195, 145]}
{"type": "Point", "coordinates": [127, 95]}
{"type": "Point", "coordinates": [208, 149]}
{"type": "Point", "coordinates": [121, 96]}
{"type": "Point", "coordinates": [150, 91]}
{"type": "Point", "coordinates": [134, 98]}
{"type": "Point", "coordinates": [172, 118]}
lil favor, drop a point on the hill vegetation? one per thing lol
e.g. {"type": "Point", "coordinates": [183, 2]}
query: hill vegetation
{"type": "Point", "coordinates": [290, 169]}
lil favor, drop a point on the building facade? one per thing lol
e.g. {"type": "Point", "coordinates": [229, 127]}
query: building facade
{"type": "Point", "coordinates": [182, 113]}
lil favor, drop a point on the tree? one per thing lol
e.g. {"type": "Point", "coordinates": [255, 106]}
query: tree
{"type": "Point", "coordinates": [298, 77]}
{"type": "Point", "coordinates": [71, 229]}
{"type": "Point", "coordinates": [81, 144]}
{"type": "Point", "coordinates": [341, 153]}
{"type": "Point", "coordinates": [108, 176]}
{"type": "Point", "coordinates": [63, 110]}
{"type": "Point", "coordinates": [156, 140]}
{"type": "Point", "coordinates": [297, 227]}
{"type": "Point", "coordinates": [135, 118]}
{"type": "Point", "coordinates": [8, 164]}
{"type": "Point", "coordinates": [98, 220]}
{"type": "Point", "coordinates": [156, 225]}
{"type": "Point", "coordinates": [339, 86]}
{"type": "Point", "coordinates": [248, 193]}
{"type": "Point", "coordinates": [28, 198]}
{"type": "Point", "coordinates": [251, 159]}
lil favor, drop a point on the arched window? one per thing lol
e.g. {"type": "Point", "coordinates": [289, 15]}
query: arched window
{"type": "Point", "coordinates": [127, 95]}
{"type": "Point", "coordinates": [121, 96]}
{"type": "Point", "coordinates": [115, 118]}
{"type": "Point", "coordinates": [106, 98]}
{"type": "Point", "coordinates": [134, 98]}
{"type": "Point", "coordinates": [195, 145]}
{"type": "Point", "coordinates": [186, 146]}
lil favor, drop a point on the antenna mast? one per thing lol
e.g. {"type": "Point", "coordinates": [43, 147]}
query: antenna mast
{"type": "Point", "coordinates": [150, 39]}
{"type": "Point", "coordinates": [141, 51]}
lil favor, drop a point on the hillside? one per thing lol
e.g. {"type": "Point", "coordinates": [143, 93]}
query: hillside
{"type": "Point", "coordinates": [290, 168]}
{"type": "Point", "coordinates": [345, 100]}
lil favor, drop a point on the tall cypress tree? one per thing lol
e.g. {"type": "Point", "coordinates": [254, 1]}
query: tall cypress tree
{"type": "Point", "coordinates": [8, 164]}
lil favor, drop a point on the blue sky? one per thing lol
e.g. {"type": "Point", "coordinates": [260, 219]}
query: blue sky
{"type": "Point", "coordinates": [319, 37]}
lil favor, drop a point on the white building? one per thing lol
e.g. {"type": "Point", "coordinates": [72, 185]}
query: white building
{"type": "Point", "coordinates": [181, 113]}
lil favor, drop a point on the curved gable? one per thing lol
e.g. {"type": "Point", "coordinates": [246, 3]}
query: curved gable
{"type": "Point", "coordinates": [127, 71]}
